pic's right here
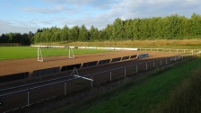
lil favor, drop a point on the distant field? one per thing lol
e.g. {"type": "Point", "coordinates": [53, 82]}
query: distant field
{"type": "Point", "coordinates": [7, 53]}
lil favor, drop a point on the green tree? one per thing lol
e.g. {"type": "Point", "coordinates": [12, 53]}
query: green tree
{"type": "Point", "coordinates": [74, 33]}
{"type": "Point", "coordinates": [128, 30]}
{"type": "Point", "coordinates": [93, 33]}
{"type": "Point", "coordinates": [83, 34]}
{"type": "Point", "coordinates": [108, 33]}
{"type": "Point", "coordinates": [64, 34]}
{"type": "Point", "coordinates": [4, 38]}
{"type": "Point", "coordinates": [136, 29]}
{"type": "Point", "coordinates": [118, 29]}
{"type": "Point", "coordinates": [196, 24]}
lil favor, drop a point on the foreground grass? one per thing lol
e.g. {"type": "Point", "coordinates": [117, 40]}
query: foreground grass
{"type": "Point", "coordinates": [7, 53]}
{"type": "Point", "coordinates": [186, 98]}
{"type": "Point", "coordinates": [143, 97]}
{"type": "Point", "coordinates": [178, 44]}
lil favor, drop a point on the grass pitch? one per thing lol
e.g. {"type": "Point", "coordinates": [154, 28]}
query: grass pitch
{"type": "Point", "coordinates": [8, 53]}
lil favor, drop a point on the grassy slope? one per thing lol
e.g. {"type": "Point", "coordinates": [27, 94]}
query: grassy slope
{"type": "Point", "coordinates": [178, 44]}
{"type": "Point", "coordinates": [30, 52]}
{"type": "Point", "coordinates": [184, 99]}
{"type": "Point", "coordinates": [144, 97]}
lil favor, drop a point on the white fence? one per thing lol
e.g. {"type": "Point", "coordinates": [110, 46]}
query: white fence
{"type": "Point", "coordinates": [196, 51]}
{"type": "Point", "coordinates": [85, 47]}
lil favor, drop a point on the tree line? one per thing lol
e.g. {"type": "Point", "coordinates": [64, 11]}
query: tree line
{"type": "Point", "coordinates": [20, 39]}
{"type": "Point", "coordinates": [169, 27]}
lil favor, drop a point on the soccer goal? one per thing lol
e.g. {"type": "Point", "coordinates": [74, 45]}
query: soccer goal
{"type": "Point", "coordinates": [39, 55]}
{"type": "Point", "coordinates": [70, 52]}
{"type": "Point", "coordinates": [50, 54]}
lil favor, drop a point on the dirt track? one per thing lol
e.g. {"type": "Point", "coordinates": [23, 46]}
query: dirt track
{"type": "Point", "coordinates": [24, 65]}
{"type": "Point", "coordinates": [28, 65]}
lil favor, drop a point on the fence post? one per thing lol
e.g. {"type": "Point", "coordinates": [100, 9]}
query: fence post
{"type": "Point", "coordinates": [166, 61]}
{"type": "Point", "coordinates": [91, 81]}
{"type": "Point", "coordinates": [28, 97]}
{"type": "Point", "coordinates": [161, 62]}
{"type": "Point", "coordinates": [110, 75]}
{"type": "Point", "coordinates": [136, 69]}
{"type": "Point", "coordinates": [146, 65]}
{"type": "Point", "coordinates": [65, 90]}
{"type": "Point", "coordinates": [153, 63]}
{"type": "Point", "coordinates": [125, 72]}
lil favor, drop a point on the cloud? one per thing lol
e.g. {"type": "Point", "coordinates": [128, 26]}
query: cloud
{"type": "Point", "coordinates": [127, 9]}
{"type": "Point", "coordinates": [97, 21]}
{"type": "Point", "coordinates": [100, 4]}
{"type": "Point", "coordinates": [56, 9]}
{"type": "Point", "coordinates": [98, 13]}
{"type": "Point", "coordinates": [150, 8]}
{"type": "Point", "coordinates": [77, 2]}
{"type": "Point", "coordinates": [124, 9]}
{"type": "Point", "coordinates": [8, 27]}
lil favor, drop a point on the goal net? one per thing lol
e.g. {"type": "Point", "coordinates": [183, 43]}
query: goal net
{"type": "Point", "coordinates": [50, 54]}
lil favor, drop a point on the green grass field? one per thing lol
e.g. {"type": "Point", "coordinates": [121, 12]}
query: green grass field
{"type": "Point", "coordinates": [7, 53]}
{"type": "Point", "coordinates": [147, 96]}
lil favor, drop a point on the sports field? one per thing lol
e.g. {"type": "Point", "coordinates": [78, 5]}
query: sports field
{"type": "Point", "coordinates": [30, 63]}
{"type": "Point", "coordinates": [8, 53]}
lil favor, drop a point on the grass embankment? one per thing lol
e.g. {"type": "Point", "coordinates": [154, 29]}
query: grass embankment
{"type": "Point", "coordinates": [7, 53]}
{"type": "Point", "coordinates": [177, 44]}
{"type": "Point", "coordinates": [148, 95]}
{"type": "Point", "coordinates": [186, 98]}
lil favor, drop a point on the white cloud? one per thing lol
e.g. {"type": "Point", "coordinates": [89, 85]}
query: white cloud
{"type": "Point", "coordinates": [98, 13]}
{"type": "Point", "coordinates": [149, 8]}
{"type": "Point", "coordinates": [98, 21]}
{"type": "Point", "coordinates": [100, 4]}
{"type": "Point", "coordinates": [56, 9]}
{"type": "Point", "coordinates": [8, 27]}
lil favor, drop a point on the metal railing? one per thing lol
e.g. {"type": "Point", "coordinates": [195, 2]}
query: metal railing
{"type": "Point", "coordinates": [171, 50]}
{"type": "Point", "coordinates": [67, 85]}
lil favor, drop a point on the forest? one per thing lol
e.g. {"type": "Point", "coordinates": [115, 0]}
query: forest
{"type": "Point", "coordinates": [169, 27]}
{"type": "Point", "coordinates": [21, 39]}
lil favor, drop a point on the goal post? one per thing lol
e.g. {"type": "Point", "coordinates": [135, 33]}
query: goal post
{"type": "Point", "coordinates": [39, 56]}
{"type": "Point", "coordinates": [54, 53]}
{"type": "Point", "coordinates": [70, 52]}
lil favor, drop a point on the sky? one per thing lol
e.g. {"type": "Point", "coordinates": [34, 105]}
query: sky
{"type": "Point", "coordinates": [29, 15]}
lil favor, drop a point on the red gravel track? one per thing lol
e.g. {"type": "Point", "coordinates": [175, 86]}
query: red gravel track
{"type": "Point", "coordinates": [28, 65]}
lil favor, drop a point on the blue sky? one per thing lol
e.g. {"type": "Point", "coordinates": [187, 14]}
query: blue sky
{"type": "Point", "coordinates": [29, 15]}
